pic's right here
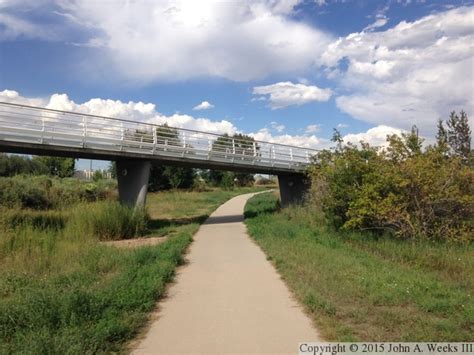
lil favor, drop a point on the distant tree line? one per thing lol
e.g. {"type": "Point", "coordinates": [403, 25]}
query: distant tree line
{"type": "Point", "coordinates": [11, 165]}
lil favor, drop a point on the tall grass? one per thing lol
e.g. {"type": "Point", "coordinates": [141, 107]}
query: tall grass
{"type": "Point", "coordinates": [107, 221]}
{"type": "Point", "coordinates": [367, 288]}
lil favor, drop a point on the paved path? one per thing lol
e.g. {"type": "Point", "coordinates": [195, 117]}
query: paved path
{"type": "Point", "coordinates": [228, 298]}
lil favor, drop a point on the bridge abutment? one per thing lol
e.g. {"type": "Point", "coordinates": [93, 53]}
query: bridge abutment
{"type": "Point", "coordinates": [132, 177]}
{"type": "Point", "coordinates": [293, 188]}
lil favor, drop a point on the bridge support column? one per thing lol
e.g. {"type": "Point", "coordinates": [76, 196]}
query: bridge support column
{"type": "Point", "coordinates": [293, 188]}
{"type": "Point", "coordinates": [132, 177]}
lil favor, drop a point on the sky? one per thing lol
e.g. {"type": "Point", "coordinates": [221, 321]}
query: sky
{"type": "Point", "coordinates": [286, 71]}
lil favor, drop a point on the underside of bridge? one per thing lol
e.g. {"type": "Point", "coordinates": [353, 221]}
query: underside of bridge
{"type": "Point", "coordinates": [293, 188]}
{"type": "Point", "coordinates": [133, 175]}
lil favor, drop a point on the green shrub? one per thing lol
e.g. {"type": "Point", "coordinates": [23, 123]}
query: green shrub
{"type": "Point", "coordinates": [401, 190]}
{"type": "Point", "coordinates": [107, 221]}
{"type": "Point", "coordinates": [42, 192]}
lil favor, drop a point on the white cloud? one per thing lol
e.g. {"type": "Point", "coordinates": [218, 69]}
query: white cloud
{"type": "Point", "coordinates": [380, 22]}
{"type": "Point", "coordinates": [14, 97]}
{"type": "Point", "coordinates": [376, 136]}
{"type": "Point", "coordinates": [413, 73]}
{"type": "Point", "coordinates": [284, 94]}
{"type": "Point", "coordinates": [312, 128]}
{"type": "Point", "coordinates": [296, 140]}
{"type": "Point", "coordinates": [176, 40]}
{"type": "Point", "coordinates": [205, 105]}
{"type": "Point", "coordinates": [342, 125]}
{"type": "Point", "coordinates": [277, 127]}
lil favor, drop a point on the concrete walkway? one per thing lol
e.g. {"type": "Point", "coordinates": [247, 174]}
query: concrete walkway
{"type": "Point", "coordinates": [228, 298]}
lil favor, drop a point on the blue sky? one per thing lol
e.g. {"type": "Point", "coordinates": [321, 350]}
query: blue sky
{"type": "Point", "coordinates": [287, 71]}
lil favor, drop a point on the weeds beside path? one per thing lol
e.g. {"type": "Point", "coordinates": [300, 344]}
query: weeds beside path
{"type": "Point", "coordinates": [360, 288]}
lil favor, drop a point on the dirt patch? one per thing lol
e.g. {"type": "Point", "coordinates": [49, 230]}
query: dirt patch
{"type": "Point", "coordinates": [135, 243]}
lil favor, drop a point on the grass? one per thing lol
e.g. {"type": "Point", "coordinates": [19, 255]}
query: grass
{"type": "Point", "coordinates": [358, 287]}
{"type": "Point", "coordinates": [61, 291]}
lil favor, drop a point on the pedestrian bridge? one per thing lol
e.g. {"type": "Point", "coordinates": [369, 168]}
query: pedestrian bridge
{"type": "Point", "coordinates": [40, 131]}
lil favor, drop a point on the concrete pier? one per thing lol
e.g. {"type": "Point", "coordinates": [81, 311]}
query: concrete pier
{"type": "Point", "coordinates": [132, 177]}
{"type": "Point", "coordinates": [293, 188]}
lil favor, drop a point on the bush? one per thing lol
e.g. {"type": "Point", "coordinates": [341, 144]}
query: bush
{"type": "Point", "coordinates": [42, 192]}
{"type": "Point", "coordinates": [107, 221]}
{"type": "Point", "coordinates": [401, 190]}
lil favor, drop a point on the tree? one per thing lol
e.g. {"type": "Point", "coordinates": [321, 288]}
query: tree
{"type": "Point", "coordinates": [337, 138]}
{"type": "Point", "coordinates": [56, 166]}
{"type": "Point", "coordinates": [166, 177]}
{"type": "Point", "coordinates": [113, 169]}
{"type": "Point", "coordinates": [442, 137]}
{"type": "Point", "coordinates": [179, 177]}
{"type": "Point", "coordinates": [413, 141]}
{"type": "Point", "coordinates": [11, 165]}
{"type": "Point", "coordinates": [459, 135]}
{"type": "Point", "coordinates": [242, 147]}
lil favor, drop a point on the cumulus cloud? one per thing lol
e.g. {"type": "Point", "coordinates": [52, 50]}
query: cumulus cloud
{"type": "Point", "coordinates": [283, 94]}
{"type": "Point", "coordinates": [312, 128]}
{"type": "Point", "coordinates": [305, 141]}
{"type": "Point", "coordinates": [415, 72]}
{"type": "Point", "coordinates": [376, 136]}
{"type": "Point", "coordinates": [205, 105]}
{"type": "Point", "coordinates": [173, 40]}
{"type": "Point", "coordinates": [277, 126]}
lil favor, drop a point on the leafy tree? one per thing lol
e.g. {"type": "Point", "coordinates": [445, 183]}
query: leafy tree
{"type": "Point", "coordinates": [97, 175]}
{"type": "Point", "coordinates": [245, 148]}
{"type": "Point", "coordinates": [337, 138]}
{"type": "Point", "coordinates": [166, 177]}
{"type": "Point", "coordinates": [442, 137]}
{"type": "Point", "coordinates": [113, 169]}
{"type": "Point", "coordinates": [459, 135]}
{"type": "Point", "coordinates": [412, 141]}
{"type": "Point", "coordinates": [11, 165]}
{"type": "Point", "coordinates": [57, 166]}
{"type": "Point", "coordinates": [179, 177]}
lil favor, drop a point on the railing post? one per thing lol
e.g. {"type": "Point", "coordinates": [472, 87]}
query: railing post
{"type": "Point", "coordinates": [184, 143]}
{"type": "Point", "coordinates": [154, 140]}
{"type": "Point", "coordinates": [122, 135]}
{"type": "Point", "coordinates": [254, 149]}
{"type": "Point", "coordinates": [166, 145]}
{"type": "Point", "coordinates": [307, 156]}
{"type": "Point", "coordinates": [84, 135]}
{"type": "Point", "coordinates": [209, 148]}
{"type": "Point", "coordinates": [42, 129]}
{"type": "Point", "coordinates": [272, 154]}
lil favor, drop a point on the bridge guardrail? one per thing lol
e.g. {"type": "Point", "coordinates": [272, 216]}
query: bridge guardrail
{"type": "Point", "coordinates": [36, 125]}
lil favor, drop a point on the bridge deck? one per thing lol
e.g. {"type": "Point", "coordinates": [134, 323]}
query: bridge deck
{"type": "Point", "coordinates": [35, 130]}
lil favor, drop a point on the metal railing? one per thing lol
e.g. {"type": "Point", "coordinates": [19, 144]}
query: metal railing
{"type": "Point", "coordinates": [37, 125]}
